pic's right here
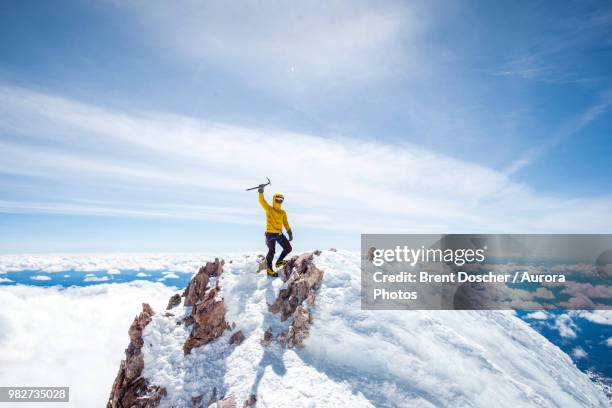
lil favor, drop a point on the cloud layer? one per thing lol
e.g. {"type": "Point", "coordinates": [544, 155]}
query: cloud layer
{"type": "Point", "coordinates": [112, 263]}
{"type": "Point", "coordinates": [72, 337]}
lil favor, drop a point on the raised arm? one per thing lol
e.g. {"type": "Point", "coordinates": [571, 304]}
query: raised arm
{"type": "Point", "coordinates": [263, 202]}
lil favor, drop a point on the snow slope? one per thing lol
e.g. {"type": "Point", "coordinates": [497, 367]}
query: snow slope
{"type": "Point", "coordinates": [362, 358]}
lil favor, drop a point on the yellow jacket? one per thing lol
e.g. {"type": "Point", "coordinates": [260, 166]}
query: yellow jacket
{"type": "Point", "coordinates": [275, 216]}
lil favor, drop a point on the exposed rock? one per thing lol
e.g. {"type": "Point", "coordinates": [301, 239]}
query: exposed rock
{"type": "Point", "coordinates": [188, 321]}
{"type": "Point", "coordinates": [285, 272]}
{"type": "Point", "coordinates": [213, 397]}
{"type": "Point", "coordinates": [197, 287]}
{"type": "Point", "coordinates": [317, 252]}
{"type": "Point", "coordinates": [139, 323]}
{"type": "Point", "coordinates": [297, 262]}
{"type": "Point", "coordinates": [333, 249]}
{"type": "Point", "coordinates": [208, 312]}
{"type": "Point", "coordinates": [197, 401]}
{"type": "Point", "coordinates": [299, 329]}
{"type": "Point", "coordinates": [237, 338]}
{"type": "Point", "coordinates": [129, 388]}
{"type": "Point", "coordinates": [250, 402]}
{"type": "Point", "coordinates": [267, 338]}
{"type": "Point", "coordinates": [209, 320]}
{"type": "Point", "coordinates": [311, 299]}
{"type": "Point", "coordinates": [304, 279]}
{"type": "Point", "coordinates": [175, 300]}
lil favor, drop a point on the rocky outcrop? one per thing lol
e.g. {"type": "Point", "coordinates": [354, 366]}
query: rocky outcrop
{"type": "Point", "coordinates": [204, 314]}
{"type": "Point", "coordinates": [129, 388]}
{"type": "Point", "coordinates": [175, 300]}
{"type": "Point", "coordinates": [237, 338]}
{"type": "Point", "coordinates": [196, 289]}
{"type": "Point", "coordinates": [299, 329]}
{"type": "Point", "coordinates": [207, 322]}
{"type": "Point", "coordinates": [250, 401]}
{"type": "Point", "coordinates": [302, 279]}
{"type": "Point", "coordinates": [208, 308]}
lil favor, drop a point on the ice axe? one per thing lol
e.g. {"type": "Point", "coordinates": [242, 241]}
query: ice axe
{"type": "Point", "coordinates": [261, 185]}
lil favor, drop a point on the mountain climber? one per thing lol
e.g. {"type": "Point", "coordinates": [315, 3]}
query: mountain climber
{"type": "Point", "coordinates": [276, 218]}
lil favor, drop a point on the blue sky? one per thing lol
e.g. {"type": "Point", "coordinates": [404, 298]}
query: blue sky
{"type": "Point", "coordinates": [135, 126]}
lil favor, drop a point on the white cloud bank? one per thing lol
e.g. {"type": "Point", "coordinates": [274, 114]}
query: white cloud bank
{"type": "Point", "coordinates": [94, 278]}
{"type": "Point", "coordinates": [578, 353]}
{"type": "Point", "coordinates": [566, 327]}
{"type": "Point", "coordinates": [72, 337]}
{"type": "Point", "coordinates": [595, 316]}
{"type": "Point", "coordinates": [194, 169]}
{"type": "Point", "coordinates": [538, 315]}
{"type": "Point", "coordinates": [41, 278]}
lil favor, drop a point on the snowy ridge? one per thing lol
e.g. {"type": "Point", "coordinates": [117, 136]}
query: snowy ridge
{"type": "Point", "coordinates": [360, 358]}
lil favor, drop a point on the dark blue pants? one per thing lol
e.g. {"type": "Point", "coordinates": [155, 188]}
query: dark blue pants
{"type": "Point", "coordinates": [271, 240]}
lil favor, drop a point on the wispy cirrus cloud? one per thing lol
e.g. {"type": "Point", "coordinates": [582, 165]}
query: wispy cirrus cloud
{"type": "Point", "coordinates": [78, 158]}
{"type": "Point", "coordinates": [570, 129]}
{"type": "Point", "coordinates": [557, 54]}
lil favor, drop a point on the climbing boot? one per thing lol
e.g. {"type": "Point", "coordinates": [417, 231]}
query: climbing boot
{"type": "Point", "coordinates": [278, 264]}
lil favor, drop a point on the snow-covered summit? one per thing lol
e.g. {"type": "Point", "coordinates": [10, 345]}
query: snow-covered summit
{"type": "Point", "coordinates": [330, 353]}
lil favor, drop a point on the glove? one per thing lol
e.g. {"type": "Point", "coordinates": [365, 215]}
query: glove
{"type": "Point", "coordinates": [290, 235]}
{"type": "Point", "coordinates": [261, 188]}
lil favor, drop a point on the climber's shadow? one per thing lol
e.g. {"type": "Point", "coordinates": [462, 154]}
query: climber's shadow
{"type": "Point", "coordinates": [273, 353]}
